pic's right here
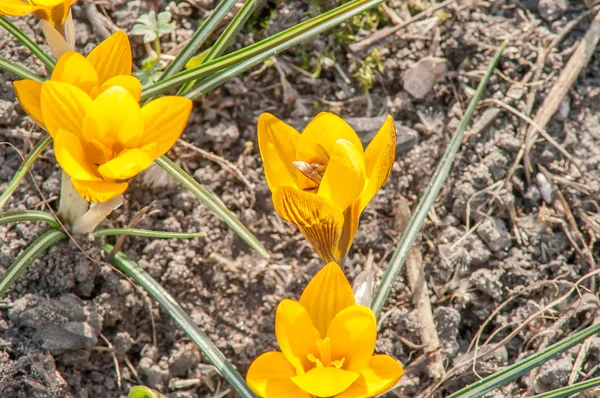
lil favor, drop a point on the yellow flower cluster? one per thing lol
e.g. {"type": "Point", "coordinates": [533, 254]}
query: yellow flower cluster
{"type": "Point", "coordinates": [90, 106]}
{"type": "Point", "coordinates": [321, 181]}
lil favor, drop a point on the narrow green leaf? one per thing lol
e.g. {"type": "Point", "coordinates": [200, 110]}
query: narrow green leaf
{"type": "Point", "coordinates": [147, 233]}
{"type": "Point", "coordinates": [27, 257]}
{"type": "Point", "coordinates": [198, 39]}
{"type": "Point", "coordinates": [226, 37]}
{"type": "Point", "coordinates": [168, 303]}
{"type": "Point", "coordinates": [27, 42]}
{"type": "Point", "coordinates": [18, 70]}
{"type": "Point", "coordinates": [213, 203]}
{"type": "Point", "coordinates": [29, 215]}
{"type": "Point", "coordinates": [518, 369]}
{"type": "Point", "coordinates": [29, 159]}
{"type": "Point", "coordinates": [144, 392]}
{"type": "Point", "coordinates": [431, 193]}
{"type": "Point", "coordinates": [266, 48]}
{"type": "Point", "coordinates": [570, 390]}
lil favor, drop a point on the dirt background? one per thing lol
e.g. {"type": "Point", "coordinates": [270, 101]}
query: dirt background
{"type": "Point", "coordinates": [71, 326]}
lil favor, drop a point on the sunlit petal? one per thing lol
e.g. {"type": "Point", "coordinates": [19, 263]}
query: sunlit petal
{"type": "Point", "coordinates": [28, 93]}
{"type": "Point", "coordinates": [73, 68]}
{"type": "Point", "coordinates": [164, 121]}
{"type": "Point", "coordinates": [379, 159]}
{"type": "Point", "coordinates": [16, 8]}
{"type": "Point", "coordinates": [381, 374]}
{"type": "Point", "coordinates": [344, 179]}
{"type": "Point", "coordinates": [115, 120]}
{"type": "Point", "coordinates": [328, 293]}
{"type": "Point", "coordinates": [112, 57]}
{"type": "Point", "coordinates": [325, 382]}
{"type": "Point", "coordinates": [296, 334]}
{"type": "Point", "coordinates": [323, 131]}
{"type": "Point", "coordinates": [128, 164]}
{"type": "Point", "coordinates": [353, 333]}
{"type": "Point", "coordinates": [269, 377]}
{"type": "Point", "coordinates": [99, 191]}
{"type": "Point", "coordinates": [277, 143]}
{"type": "Point", "coordinates": [319, 220]}
{"type": "Point", "coordinates": [74, 156]}
{"type": "Point", "coordinates": [129, 83]}
{"type": "Point", "coordinates": [63, 107]}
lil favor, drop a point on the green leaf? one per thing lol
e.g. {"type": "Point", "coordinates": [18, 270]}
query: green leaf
{"type": "Point", "coordinates": [168, 303]}
{"type": "Point", "coordinates": [28, 42]}
{"type": "Point", "coordinates": [212, 202]}
{"type": "Point", "coordinates": [212, 22]}
{"type": "Point", "coordinates": [18, 70]}
{"type": "Point", "coordinates": [223, 41]}
{"type": "Point", "coordinates": [261, 51]}
{"type": "Point", "coordinates": [27, 257]}
{"type": "Point", "coordinates": [144, 392]}
{"type": "Point", "coordinates": [27, 163]}
{"type": "Point", "coordinates": [518, 369]}
{"type": "Point", "coordinates": [570, 390]}
{"type": "Point", "coordinates": [147, 233]}
{"type": "Point", "coordinates": [433, 189]}
{"type": "Point", "coordinates": [29, 215]}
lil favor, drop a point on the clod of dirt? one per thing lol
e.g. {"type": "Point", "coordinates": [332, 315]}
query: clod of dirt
{"type": "Point", "coordinates": [224, 135]}
{"type": "Point", "coordinates": [495, 234]}
{"type": "Point", "coordinates": [487, 281]}
{"type": "Point", "coordinates": [447, 320]}
{"type": "Point", "coordinates": [420, 78]}
{"type": "Point", "coordinates": [61, 325]}
{"type": "Point", "coordinates": [8, 115]}
{"type": "Point", "coordinates": [156, 375]}
{"type": "Point", "coordinates": [496, 163]}
{"type": "Point", "coordinates": [183, 360]}
{"type": "Point", "coordinates": [553, 374]}
{"type": "Point", "coordinates": [551, 10]}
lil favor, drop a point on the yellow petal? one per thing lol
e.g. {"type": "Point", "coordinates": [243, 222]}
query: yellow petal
{"type": "Point", "coordinates": [324, 131]}
{"type": "Point", "coordinates": [58, 13]}
{"type": "Point", "coordinates": [277, 143]}
{"type": "Point", "coordinates": [353, 333]}
{"type": "Point", "coordinates": [16, 8]}
{"type": "Point", "coordinates": [328, 293]}
{"type": "Point", "coordinates": [325, 382]}
{"type": "Point", "coordinates": [114, 121]}
{"type": "Point", "coordinates": [344, 179]}
{"type": "Point", "coordinates": [74, 156]}
{"type": "Point", "coordinates": [50, 3]}
{"type": "Point", "coordinates": [63, 107]}
{"type": "Point", "coordinates": [73, 68]}
{"type": "Point", "coordinates": [379, 159]}
{"type": "Point", "coordinates": [164, 121]}
{"type": "Point", "coordinates": [319, 220]}
{"type": "Point", "coordinates": [112, 57]}
{"type": "Point", "coordinates": [381, 374]}
{"type": "Point", "coordinates": [128, 164]}
{"type": "Point", "coordinates": [28, 93]}
{"type": "Point", "coordinates": [129, 83]}
{"type": "Point", "coordinates": [269, 377]}
{"type": "Point", "coordinates": [296, 334]}
{"type": "Point", "coordinates": [99, 191]}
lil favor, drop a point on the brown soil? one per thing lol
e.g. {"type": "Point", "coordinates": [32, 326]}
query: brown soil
{"type": "Point", "coordinates": [59, 318]}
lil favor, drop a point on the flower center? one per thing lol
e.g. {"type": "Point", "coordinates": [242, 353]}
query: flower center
{"type": "Point", "coordinates": [314, 169]}
{"type": "Point", "coordinates": [324, 359]}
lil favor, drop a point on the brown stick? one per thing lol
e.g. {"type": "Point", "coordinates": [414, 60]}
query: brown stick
{"type": "Point", "coordinates": [569, 74]}
{"type": "Point", "coordinates": [385, 32]}
{"type": "Point", "coordinates": [420, 294]}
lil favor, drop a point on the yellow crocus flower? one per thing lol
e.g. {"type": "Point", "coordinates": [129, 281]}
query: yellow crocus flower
{"type": "Point", "coordinates": [100, 143]}
{"type": "Point", "coordinates": [322, 179]}
{"type": "Point", "coordinates": [108, 65]}
{"type": "Point", "coordinates": [327, 344]}
{"type": "Point", "coordinates": [53, 11]}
